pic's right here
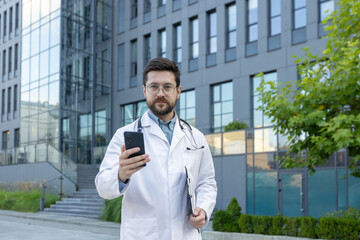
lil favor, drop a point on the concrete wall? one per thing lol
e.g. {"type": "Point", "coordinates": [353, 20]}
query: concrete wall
{"type": "Point", "coordinates": [35, 172]}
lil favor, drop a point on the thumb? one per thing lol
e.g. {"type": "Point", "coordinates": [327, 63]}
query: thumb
{"type": "Point", "coordinates": [123, 148]}
{"type": "Point", "coordinates": [197, 212]}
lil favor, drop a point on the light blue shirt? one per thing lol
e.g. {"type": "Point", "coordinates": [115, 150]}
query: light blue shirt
{"type": "Point", "coordinates": [167, 128]}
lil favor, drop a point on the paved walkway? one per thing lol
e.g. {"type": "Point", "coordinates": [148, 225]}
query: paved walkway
{"type": "Point", "coordinates": [35, 226]}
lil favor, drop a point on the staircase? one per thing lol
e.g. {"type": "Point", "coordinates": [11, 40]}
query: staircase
{"type": "Point", "coordinates": [83, 203]}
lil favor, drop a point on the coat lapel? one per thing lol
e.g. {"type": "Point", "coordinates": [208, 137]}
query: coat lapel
{"type": "Point", "coordinates": [146, 122]}
{"type": "Point", "coordinates": [177, 135]}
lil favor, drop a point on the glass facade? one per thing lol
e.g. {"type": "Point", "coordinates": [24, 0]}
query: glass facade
{"type": "Point", "coordinates": [275, 17]}
{"type": "Point", "coordinates": [222, 102]}
{"type": "Point", "coordinates": [252, 7]}
{"type": "Point", "coordinates": [65, 79]}
{"type": "Point", "coordinates": [212, 32]}
{"type": "Point", "coordinates": [132, 111]}
{"type": "Point", "coordinates": [299, 16]}
{"type": "Point", "coordinates": [186, 106]}
{"type": "Point", "coordinates": [177, 43]}
{"type": "Point", "coordinates": [231, 26]}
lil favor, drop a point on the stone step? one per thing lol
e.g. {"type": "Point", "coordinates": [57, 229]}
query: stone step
{"type": "Point", "coordinates": [77, 207]}
{"type": "Point", "coordinates": [90, 204]}
{"type": "Point", "coordinates": [84, 200]}
{"type": "Point", "coordinates": [78, 213]}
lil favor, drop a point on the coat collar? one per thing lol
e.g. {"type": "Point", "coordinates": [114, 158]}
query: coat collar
{"type": "Point", "coordinates": [178, 134]}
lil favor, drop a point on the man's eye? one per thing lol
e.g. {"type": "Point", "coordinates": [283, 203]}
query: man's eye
{"type": "Point", "coordinates": [168, 87]}
{"type": "Point", "coordinates": [154, 87]}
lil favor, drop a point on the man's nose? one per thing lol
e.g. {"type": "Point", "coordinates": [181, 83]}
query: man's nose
{"type": "Point", "coordinates": [160, 92]}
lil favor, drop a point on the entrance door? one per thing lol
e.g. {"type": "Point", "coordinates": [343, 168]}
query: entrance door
{"type": "Point", "coordinates": [292, 193]}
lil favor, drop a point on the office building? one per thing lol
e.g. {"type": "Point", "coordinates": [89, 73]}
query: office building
{"type": "Point", "coordinates": [89, 84]}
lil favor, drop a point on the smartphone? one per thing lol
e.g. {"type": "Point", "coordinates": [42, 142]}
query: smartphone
{"type": "Point", "coordinates": [135, 139]}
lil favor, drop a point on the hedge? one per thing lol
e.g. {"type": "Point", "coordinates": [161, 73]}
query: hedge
{"type": "Point", "coordinates": [335, 226]}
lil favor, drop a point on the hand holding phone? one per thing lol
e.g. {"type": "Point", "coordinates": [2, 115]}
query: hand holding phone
{"type": "Point", "coordinates": [135, 139]}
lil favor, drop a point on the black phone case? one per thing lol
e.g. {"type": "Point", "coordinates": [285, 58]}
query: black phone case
{"type": "Point", "coordinates": [135, 139]}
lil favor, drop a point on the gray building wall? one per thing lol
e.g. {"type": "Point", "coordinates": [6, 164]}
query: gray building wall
{"type": "Point", "coordinates": [35, 173]}
{"type": "Point", "coordinates": [230, 171]}
{"type": "Point", "coordinates": [11, 121]}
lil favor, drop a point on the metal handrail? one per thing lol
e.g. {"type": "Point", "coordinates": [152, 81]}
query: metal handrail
{"type": "Point", "coordinates": [61, 178]}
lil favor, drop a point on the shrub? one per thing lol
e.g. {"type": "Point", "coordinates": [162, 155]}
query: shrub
{"type": "Point", "coordinates": [235, 125]}
{"type": "Point", "coordinates": [348, 213]}
{"type": "Point", "coordinates": [234, 208]}
{"type": "Point", "coordinates": [276, 228]}
{"type": "Point", "coordinates": [245, 223]}
{"type": "Point", "coordinates": [308, 227]}
{"type": "Point", "coordinates": [112, 210]}
{"type": "Point", "coordinates": [327, 228]}
{"type": "Point", "coordinates": [224, 221]}
{"type": "Point", "coordinates": [261, 224]}
{"type": "Point", "coordinates": [291, 226]}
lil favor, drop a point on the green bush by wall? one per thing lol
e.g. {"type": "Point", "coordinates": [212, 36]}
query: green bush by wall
{"type": "Point", "coordinates": [338, 226]}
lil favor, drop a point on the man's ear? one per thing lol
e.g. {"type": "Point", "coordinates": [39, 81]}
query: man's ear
{"type": "Point", "coordinates": [178, 91]}
{"type": "Point", "coordinates": [144, 90]}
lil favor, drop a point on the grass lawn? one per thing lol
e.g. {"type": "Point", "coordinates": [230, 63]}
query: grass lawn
{"type": "Point", "coordinates": [24, 201]}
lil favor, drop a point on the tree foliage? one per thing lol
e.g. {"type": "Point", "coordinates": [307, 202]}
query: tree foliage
{"type": "Point", "coordinates": [320, 113]}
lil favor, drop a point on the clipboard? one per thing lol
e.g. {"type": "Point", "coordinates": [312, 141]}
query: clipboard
{"type": "Point", "coordinates": [190, 191]}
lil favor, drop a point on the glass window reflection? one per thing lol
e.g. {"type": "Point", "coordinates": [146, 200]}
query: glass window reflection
{"type": "Point", "coordinates": [54, 32]}
{"type": "Point", "coordinates": [55, 60]}
{"type": "Point", "coordinates": [44, 37]}
{"type": "Point", "coordinates": [187, 106]}
{"type": "Point", "coordinates": [266, 193]}
{"type": "Point", "coordinates": [222, 110]}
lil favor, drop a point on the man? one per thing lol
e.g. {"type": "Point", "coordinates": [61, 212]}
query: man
{"type": "Point", "coordinates": [156, 203]}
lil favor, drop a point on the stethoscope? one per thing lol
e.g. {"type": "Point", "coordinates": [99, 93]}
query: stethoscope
{"type": "Point", "coordinates": [194, 145]}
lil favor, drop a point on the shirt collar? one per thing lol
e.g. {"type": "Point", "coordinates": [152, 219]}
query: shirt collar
{"type": "Point", "coordinates": [170, 123]}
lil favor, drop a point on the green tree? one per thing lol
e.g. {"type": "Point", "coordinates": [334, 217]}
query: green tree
{"type": "Point", "coordinates": [320, 113]}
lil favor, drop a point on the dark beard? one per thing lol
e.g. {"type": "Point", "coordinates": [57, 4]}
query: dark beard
{"type": "Point", "coordinates": [163, 112]}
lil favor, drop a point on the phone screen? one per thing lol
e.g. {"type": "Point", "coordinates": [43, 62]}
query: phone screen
{"type": "Point", "coordinates": [135, 139]}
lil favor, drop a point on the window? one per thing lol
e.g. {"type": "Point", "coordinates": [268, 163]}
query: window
{"type": "Point", "coordinates": [177, 43]}
{"type": "Point", "coordinates": [17, 138]}
{"type": "Point", "coordinates": [194, 38]}
{"type": "Point", "coordinates": [132, 111]}
{"type": "Point", "coordinates": [5, 139]}
{"type": "Point", "coordinates": [325, 9]}
{"type": "Point", "coordinates": [10, 21]}
{"type": "Point", "coordinates": [162, 43]}
{"type": "Point", "coordinates": [275, 17]}
{"type": "Point", "coordinates": [162, 2]}
{"type": "Point", "coordinates": [4, 63]}
{"type": "Point", "coordinates": [100, 128]}
{"type": "Point", "coordinates": [16, 59]}
{"type": "Point", "coordinates": [9, 101]}
{"type": "Point", "coordinates": [85, 126]}
{"type": "Point", "coordinates": [15, 98]}
{"type": "Point", "coordinates": [3, 104]}
{"type": "Point", "coordinates": [4, 22]}
{"type": "Point", "coordinates": [299, 21]}
{"type": "Point", "coordinates": [186, 105]}
{"type": "Point", "coordinates": [121, 67]}
{"type": "Point", "coordinates": [274, 40]}
{"type": "Point", "coordinates": [222, 106]}
{"type": "Point", "coordinates": [259, 119]}
{"type": "Point", "coordinates": [134, 9]}
{"type": "Point", "coordinates": [176, 5]}
{"type": "Point", "coordinates": [231, 26]}
{"type": "Point", "coordinates": [147, 11]}
{"type": "Point", "coordinates": [133, 68]}
{"type": "Point", "coordinates": [147, 48]}
{"type": "Point", "coordinates": [252, 29]}
{"type": "Point", "coordinates": [9, 61]}
{"type": "Point", "coordinates": [299, 17]}
{"type": "Point", "coordinates": [17, 16]}
{"type": "Point", "coordinates": [161, 8]}
{"type": "Point", "coordinates": [147, 6]}
{"type": "Point", "coordinates": [212, 32]}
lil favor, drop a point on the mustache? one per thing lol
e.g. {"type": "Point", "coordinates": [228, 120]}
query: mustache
{"type": "Point", "coordinates": [160, 100]}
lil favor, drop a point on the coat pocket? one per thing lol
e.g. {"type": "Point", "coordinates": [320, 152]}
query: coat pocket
{"type": "Point", "coordinates": [135, 229]}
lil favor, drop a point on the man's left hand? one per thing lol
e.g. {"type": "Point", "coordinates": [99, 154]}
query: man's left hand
{"type": "Point", "coordinates": [198, 218]}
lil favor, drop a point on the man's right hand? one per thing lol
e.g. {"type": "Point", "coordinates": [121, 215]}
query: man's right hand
{"type": "Point", "coordinates": [129, 166]}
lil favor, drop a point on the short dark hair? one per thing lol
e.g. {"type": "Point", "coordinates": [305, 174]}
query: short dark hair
{"type": "Point", "coordinates": [162, 64]}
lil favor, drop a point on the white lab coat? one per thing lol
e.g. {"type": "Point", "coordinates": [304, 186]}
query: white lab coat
{"type": "Point", "coordinates": [156, 205]}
